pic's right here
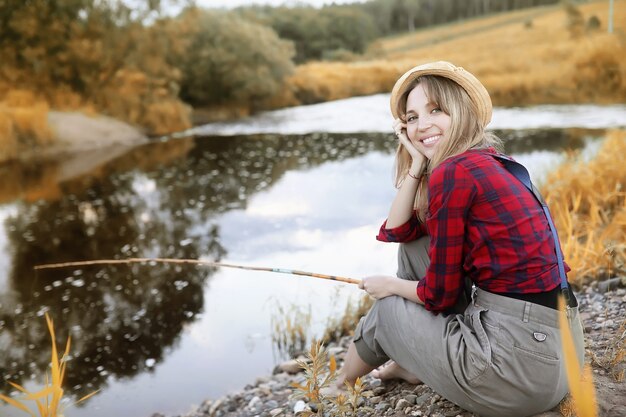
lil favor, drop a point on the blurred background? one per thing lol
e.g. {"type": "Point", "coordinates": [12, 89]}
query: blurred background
{"type": "Point", "coordinates": [258, 133]}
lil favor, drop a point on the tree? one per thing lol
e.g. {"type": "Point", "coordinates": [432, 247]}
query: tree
{"type": "Point", "coordinates": [317, 33]}
{"type": "Point", "coordinates": [230, 59]}
{"type": "Point", "coordinates": [104, 54]}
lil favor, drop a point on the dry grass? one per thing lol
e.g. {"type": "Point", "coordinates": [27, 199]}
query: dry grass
{"type": "Point", "coordinates": [289, 328]}
{"type": "Point", "coordinates": [144, 101]}
{"type": "Point", "coordinates": [613, 358]}
{"type": "Point", "coordinates": [48, 399]}
{"type": "Point", "coordinates": [337, 327]}
{"type": "Point", "coordinates": [519, 65]}
{"type": "Point", "coordinates": [23, 122]}
{"type": "Point", "coordinates": [320, 373]}
{"type": "Point", "coordinates": [430, 36]}
{"type": "Point", "coordinates": [588, 203]}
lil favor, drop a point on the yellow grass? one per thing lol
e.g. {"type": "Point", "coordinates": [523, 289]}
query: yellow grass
{"type": "Point", "coordinates": [8, 140]}
{"type": "Point", "coordinates": [588, 203]}
{"type": "Point", "coordinates": [344, 324]}
{"type": "Point", "coordinates": [48, 399]}
{"type": "Point", "coordinates": [432, 35]}
{"type": "Point", "coordinates": [290, 327]}
{"type": "Point", "coordinates": [319, 373]}
{"type": "Point", "coordinates": [519, 65]}
{"type": "Point", "coordinates": [23, 122]}
{"type": "Point", "coordinates": [144, 101]}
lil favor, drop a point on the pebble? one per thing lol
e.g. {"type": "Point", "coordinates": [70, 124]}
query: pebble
{"type": "Point", "coordinates": [602, 314]}
{"type": "Point", "coordinates": [382, 406]}
{"type": "Point", "coordinates": [299, 406]}
{"type": "Point", "coordinates": [411, 398]}
{"type": "Point", "coordinates": [290, 367]}
{"type": "Point", "coordinates": [401, 404]}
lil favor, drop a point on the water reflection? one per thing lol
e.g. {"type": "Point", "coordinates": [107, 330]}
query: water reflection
{"type": "Point", "coordinates": [160, 200]}
{"type": "Point", "coordinates": [124, 318]}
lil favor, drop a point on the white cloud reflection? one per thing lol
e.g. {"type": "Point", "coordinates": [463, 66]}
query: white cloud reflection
{"type": "Point", "coordinates": [5, 253]}
{"type": "Point", "coordinates": [230, 4]}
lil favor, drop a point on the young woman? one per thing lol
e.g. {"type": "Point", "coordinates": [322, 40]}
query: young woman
{"type": "Point", "coordinates": [464, 222]}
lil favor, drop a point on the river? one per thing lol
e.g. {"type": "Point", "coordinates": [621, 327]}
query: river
{"type": "Point", "coordinates": [303, 188]}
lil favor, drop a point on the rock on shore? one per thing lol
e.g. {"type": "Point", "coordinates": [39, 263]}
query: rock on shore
{"type": "Point", "coordinates": [603, 315]}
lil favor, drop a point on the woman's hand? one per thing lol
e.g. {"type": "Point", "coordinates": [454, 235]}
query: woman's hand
{"type": "Point", "coordinates": [417, 155]}
{"type": "Point", "coordinates": [378, 286]}
{"type": "Point", "coordinates": [381, 286]}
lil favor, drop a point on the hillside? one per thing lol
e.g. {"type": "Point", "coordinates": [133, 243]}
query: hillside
{"type": "Point", "coordinates": [541, 55]}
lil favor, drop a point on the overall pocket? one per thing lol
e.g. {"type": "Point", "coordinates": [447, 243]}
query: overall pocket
{"type": "Point", "coordinates": [532, 354]}
{"type": "Point", "coordinates": [474, 352]}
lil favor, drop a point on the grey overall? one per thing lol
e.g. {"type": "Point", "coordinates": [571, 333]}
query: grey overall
{"type": "Point", "coordinates": [498, 357]}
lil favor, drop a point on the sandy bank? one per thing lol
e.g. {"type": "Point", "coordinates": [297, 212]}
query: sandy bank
{"type": "Point", "coordinates": [82, 142]}
{"type": "Point", "coordinates": [76, 132]}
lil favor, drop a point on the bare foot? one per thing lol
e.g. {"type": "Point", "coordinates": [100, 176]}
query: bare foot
{"type": "Point", "coordinates": [336, 388]}
{"type": "Point", "coordinates": [394, 371]}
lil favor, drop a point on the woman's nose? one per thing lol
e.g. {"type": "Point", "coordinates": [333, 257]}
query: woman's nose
{"type": "Point", "coordinates": [424, 123]}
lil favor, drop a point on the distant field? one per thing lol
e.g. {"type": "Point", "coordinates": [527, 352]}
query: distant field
{"type": "Point", "coordinates": [431, 36]}
{"type": "Point", "coordinates": [534, 56]}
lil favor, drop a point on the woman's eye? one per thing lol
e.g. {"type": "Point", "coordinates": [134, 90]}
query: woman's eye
{"type": "Point", "coordinates": [436, 110]}
{"type": "Point", "coordinates": [411, 119]}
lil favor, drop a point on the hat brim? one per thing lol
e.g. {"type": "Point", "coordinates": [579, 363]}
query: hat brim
{"type": "Point", "coordinates": [476, 91]}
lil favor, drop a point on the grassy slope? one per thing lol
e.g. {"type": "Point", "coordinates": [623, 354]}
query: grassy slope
{"type": "Point", "coordinates": [519, 65]}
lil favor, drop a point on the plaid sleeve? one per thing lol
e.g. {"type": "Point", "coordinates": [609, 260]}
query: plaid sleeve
{"type": "Point", "coordinates": [411, 230]}
{"type": "Point", "coordinates": [451, 189]}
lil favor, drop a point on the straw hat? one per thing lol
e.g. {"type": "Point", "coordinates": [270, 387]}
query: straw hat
{"type": "Point", "coordinates": [476, 91]}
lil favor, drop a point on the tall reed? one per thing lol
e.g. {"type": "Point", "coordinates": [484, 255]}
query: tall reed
{"type": "Point", "coordinates": [48, 399]}
{"type": "Point", "coordinates": [581, 386]}
{"type": "Point", "coordinates": [290, 328]}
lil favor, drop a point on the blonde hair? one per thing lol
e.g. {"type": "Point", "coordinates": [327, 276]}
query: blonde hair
{"type": "Point", "coordinates": [465, 132]}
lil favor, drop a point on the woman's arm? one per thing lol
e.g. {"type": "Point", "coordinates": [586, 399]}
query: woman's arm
{"type": "Point", "coordinates": [402, 205]}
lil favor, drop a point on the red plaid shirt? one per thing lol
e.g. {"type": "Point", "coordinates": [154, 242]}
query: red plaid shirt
{"type": "Point", "coordinates": [483, 224]}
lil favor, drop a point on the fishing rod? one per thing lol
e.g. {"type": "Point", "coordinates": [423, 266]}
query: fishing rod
{"type": "Point", "coordinates": [196, 262]}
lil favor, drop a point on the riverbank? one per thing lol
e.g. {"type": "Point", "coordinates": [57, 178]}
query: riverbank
{"type": "Point", "coordinates": [603, 311]}
{"type": "Point", "coordinates": [47, 134]}
{"type": "Point", "coordinates": [75, 132]}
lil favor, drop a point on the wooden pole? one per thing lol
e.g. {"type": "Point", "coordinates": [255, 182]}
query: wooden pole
{"type": "Point", "coordinates": [195, 262]}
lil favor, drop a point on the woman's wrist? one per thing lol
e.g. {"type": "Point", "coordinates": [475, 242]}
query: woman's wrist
{"type": "Point", "coordinates": [416, 170]}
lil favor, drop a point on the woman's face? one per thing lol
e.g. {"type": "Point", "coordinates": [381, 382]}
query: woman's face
{"type": "Point", "coordinates": [426, 123]}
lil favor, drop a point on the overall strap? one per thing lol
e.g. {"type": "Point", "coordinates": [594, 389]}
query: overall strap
{"type": "Point", "coordinates": [521, 173]}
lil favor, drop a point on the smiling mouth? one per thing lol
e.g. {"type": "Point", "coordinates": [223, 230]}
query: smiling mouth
{"type": "Point", "coordinates": [431, 140]}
